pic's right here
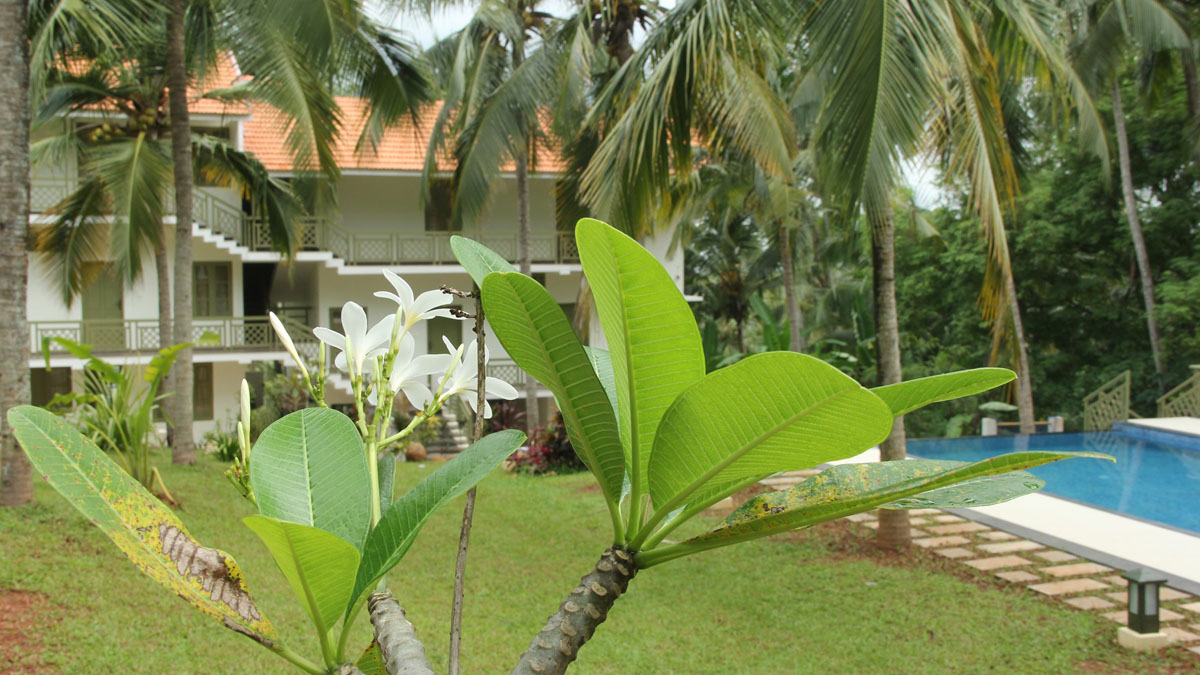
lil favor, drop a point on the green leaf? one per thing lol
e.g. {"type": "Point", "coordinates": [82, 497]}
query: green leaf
{"type": "Point", "coordinates": [147, 532]}
{"type": "Point", "coordinates": [310, 468]}
{"type": "Point", "coordinates": [602, 364]}
{"type": "Point", "coordinates": [371, 661]}
{"type": "Point", "coordinates": [853, 488]}
{"type": "Point", "coordinates": [770, 412]}
{"type": "Point", "coordinates": [398, 528]}
{"type": "Point", "coordinates": [539, 338]}
{"type": "Point", "coordinates": [905, 397]}
{"type": "Point", "coordinates": [318, 565]}
{"type": "Point", "coordinates": [387, 479]}
{"type": "Point", "coordinates": [477, 259]}
{"type": "Point", "coordinates": [652, 336]}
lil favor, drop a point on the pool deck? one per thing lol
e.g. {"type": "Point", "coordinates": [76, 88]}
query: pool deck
{"type": "Point", "coordinates": [1099, 535]}
{"type": "Point", "coordinates": [1189, 426]}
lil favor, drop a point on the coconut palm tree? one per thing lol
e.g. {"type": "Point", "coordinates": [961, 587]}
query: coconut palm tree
{"type": "Point", "coordinates": [893, 80]}
{"type": "Point", "coordinates": [1108, 32]}
{"type": "Point", "coordinates": [59, 24]}
{"type": "Point", "coordinates": [295, 52]}
{"type": "Point", "coordinates": [16, 474]}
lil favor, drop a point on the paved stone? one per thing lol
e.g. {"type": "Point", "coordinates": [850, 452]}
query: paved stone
{"type": "Point", "coordinates": [1010, 546]}
{"type": "Point", "coordinates": [925, 512]}
{"type": "Point", "coordinates": [1017, 576]}
{"type": "Point", "coordinates": [1120, 617]}
{"type": "Point", "coordinates": [950, 519]}
{"type": "Point", "coordinates": [954, 552]}
{"type": "Point", "coordinates": [958, 528]}
{"type": "Point", "coordinates": [1168, 615]}
{"type": "Point", "coordinates": [938, 542]}
{"type": "Point", "coordinates": [920, 521]}
{"type": "Point", "coordinates": [1166, 593]}
{"type": "Point", "coordinates": [874, 524]}
{"type": "Point", "coordinates": [1179, 635]}
{"type": "Point", "coordinates": [1116, 580]}
{"type": "Point", "coordinates": [1192, 607]}
{"type": "Point", "coordinates": [1068, 586]}
{"type": "Point", "coordinates": [1076, 570]}
{"type": "Point", "coordinates": [1055, 556]}
{"type": "Point", "coordinates": [998, 536]}
{"type": "Point", "coordinates": [998, 562]}
{"type": "Point", "coordinates": [1194, 650]}
{"type": "Point", "coordinates": [917, 534]}
{"type": "Point", "coordinates": [860, 517]}
{"type": "Point", "coordinates": [1088, 602]}
{"type": "Point", "coordinates": [1121, 597]}
{"type": "Point", "coordinates": [1195, 626]}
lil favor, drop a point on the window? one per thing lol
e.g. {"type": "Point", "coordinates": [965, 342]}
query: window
{"type": "Point", "coordinates": [212, 289]}
{"type": "Point", "coordinates": [44, 384]}
{"type": "Point", "coordinates": [202, 391]}
{"type": "Point", "coordinates": [439, 210]}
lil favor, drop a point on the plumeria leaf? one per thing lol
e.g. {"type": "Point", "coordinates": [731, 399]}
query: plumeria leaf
{"type": "Point", "coordinates": [145, 530]}
{"type": "Point", "coordinates": [853, 488]}
{"type": "Point", "coordinates": [318, 565]}
{"type": "Point", "coordinates": [477, 259]}
{"type": "Point", "coordinates": [310, 468]}
{"type": "Point", "coordinates": [602, 364]}
{"type": "Point", "coordinates": [782, 411]}
{"type": "Point", "coordinates": [905, 397]}
{"type": "Point", "coordinates": [652, 336]}
{"type": "Point", "coordinates": [403, 520]}
{"type": "Point", "coordinates": [539, 337]}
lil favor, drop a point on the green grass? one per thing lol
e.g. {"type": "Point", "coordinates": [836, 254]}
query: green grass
{"type": "Point", "coordinates": [818, 602]}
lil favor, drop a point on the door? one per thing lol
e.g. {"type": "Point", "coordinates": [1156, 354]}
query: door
{"type": "Point", "coordinates": [103, 304]}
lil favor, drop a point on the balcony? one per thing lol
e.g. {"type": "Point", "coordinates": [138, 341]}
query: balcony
{"type": "Point", "coordinates": [353, 246]}
{"type": "Point", "coordinates": [228, 333]}
{"type": "Point", "coordinates": [212, 334]}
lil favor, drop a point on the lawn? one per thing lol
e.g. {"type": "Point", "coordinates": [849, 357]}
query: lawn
{"type": "Point", "coordinates": [821, 601]}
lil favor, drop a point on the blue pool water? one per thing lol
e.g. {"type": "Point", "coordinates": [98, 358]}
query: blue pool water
{"type": "Point", "coordinates": [1157, 479]}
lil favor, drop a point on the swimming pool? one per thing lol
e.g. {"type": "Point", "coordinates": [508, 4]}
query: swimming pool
{"type": "Point", "coordinates": [1154, 480]}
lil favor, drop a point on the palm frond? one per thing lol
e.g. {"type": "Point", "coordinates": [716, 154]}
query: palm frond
{"type": "Point", "coordinates": [136, 173]}
{"type": "Point", "coordinates": [77, 235]}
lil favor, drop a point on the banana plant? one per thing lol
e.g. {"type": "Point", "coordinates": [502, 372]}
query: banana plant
{"type": "Point", "coordinates": [666, 441]}
{"type": "Point", "coordinates": [322, 483]}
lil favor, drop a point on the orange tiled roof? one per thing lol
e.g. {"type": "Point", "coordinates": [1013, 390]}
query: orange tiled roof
{"type": "Point", "coordinates": [402, 148]}
{"type": "Point", "coordinates": [224, 75]}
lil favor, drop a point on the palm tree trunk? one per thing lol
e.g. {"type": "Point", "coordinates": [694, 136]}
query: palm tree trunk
{"type": "Point", "coordinates": [16, 474]}
{"type": "Point", "coordinates": [184, 449]}
{"type": "Point", "coordinates": [522, 162]}
{"type": "Point", "coordinates": [1192, 80]}
{"type": "Point", "coordinates": [795, 318]}
{"type": "Point", "coordinates": [1135, 229]}
{"type": "Point", "coordinates": [893, 525]}
{"type": "Point", "coordinates": [1024, 378]}
{"type": "Point", "coordinates": [162, 268]}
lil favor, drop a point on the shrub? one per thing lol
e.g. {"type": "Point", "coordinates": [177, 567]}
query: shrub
{"type": "Point", "coordinates": [549, 452]}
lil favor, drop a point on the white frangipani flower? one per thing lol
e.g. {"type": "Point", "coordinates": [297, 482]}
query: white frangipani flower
{"type": "Point", "coordinates": [411, 310]}
{"type": "Point", "coordinates": [463, 380]}
{"type": "Point", "coordinates": [285, 339]}
{"type": "Point", "coordinates": [358, 344]}
{"type": "Point", "coordinates": [408, 374]}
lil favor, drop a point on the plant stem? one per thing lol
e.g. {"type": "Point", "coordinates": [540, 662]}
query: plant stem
{"type": "Point", "coordinates": [297, 660]}
{"type": "Point", "coordinates": [585, 608]}
{"type": "Point", "coordinates": [464, 537]}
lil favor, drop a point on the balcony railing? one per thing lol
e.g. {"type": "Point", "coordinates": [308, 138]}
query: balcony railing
{"type": "Point", "coordinates": [1183, 400]}
{"type": "Point", "coordinates": [232, 333]}
{"type": "Point", "coordinates": [356, 247]}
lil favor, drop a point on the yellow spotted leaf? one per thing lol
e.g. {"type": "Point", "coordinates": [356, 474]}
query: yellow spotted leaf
{"type": "Point", "coordinates": [145, 530]}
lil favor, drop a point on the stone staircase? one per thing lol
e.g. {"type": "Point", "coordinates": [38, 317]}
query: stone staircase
{"type": "Point", "coordinates": [451, 439]}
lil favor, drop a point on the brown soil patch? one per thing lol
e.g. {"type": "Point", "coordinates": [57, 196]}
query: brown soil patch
{"type": "Point", "coordinates": [588, 489]}
{"type": "Point", "coordinates": [23, 617]}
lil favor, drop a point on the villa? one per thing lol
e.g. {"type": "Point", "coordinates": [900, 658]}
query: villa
{"type": "Point", "coordinates": [238, 279]}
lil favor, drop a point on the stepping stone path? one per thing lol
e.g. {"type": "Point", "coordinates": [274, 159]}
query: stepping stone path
{"type": "Point", "coordinates": [1056, 575]}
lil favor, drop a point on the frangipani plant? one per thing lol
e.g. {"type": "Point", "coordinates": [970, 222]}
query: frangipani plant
{"type": "Point", "coordinates": [665, 441]}
{"type": "Point", "coordinates": [322, 483]}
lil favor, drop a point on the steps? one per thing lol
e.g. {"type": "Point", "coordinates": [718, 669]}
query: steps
{"type": "Point", "coordinates": [451, 438]}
